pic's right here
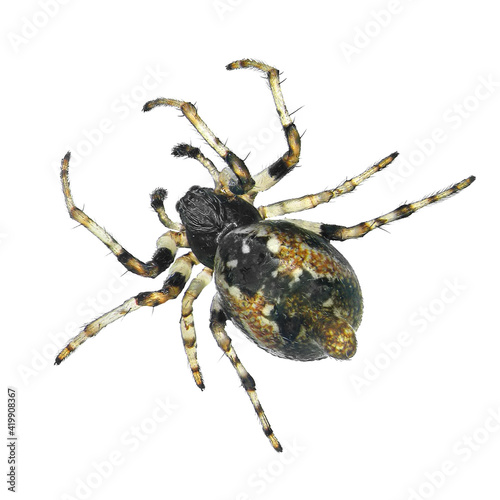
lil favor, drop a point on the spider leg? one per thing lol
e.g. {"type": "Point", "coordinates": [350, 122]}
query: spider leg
{"type": "Point", "coordinates": [178, 276]}
{"type": "Point", "coordinates": [187, 321]}
{"type": "Point", "coordinates": [268, 177]}
{"type": "Point", "coordinates": [312, 200]}
{"type": "Point", "coordinates": [235, 163]}
{"type": "Point", "coordinates": [340, 233]}
{"type": "Point", "coordinates": [166, 245]}
{"type": "Point", "coordinates": [217, 323]}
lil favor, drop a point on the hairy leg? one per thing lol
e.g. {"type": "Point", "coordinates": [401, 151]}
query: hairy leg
{"type": "Point", "coordinates": [284, 165]}
{"type": "Point", "coordinates": [217, 323]}
{"type": "Point", "coordinates": [313, 200]}
{"type": "Point", "coordinates": [187, 322]}
{"type": "Point", "coordinates": [166, 244]}
{"type": "Point", "coordinates": [178, 276]}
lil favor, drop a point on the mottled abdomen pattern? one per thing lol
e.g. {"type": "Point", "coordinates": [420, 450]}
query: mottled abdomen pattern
{"type": "Point", "coordinates": [289, 291]}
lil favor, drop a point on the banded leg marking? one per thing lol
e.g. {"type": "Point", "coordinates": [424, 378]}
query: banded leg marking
{"type": "Point", "coordinates": [268, 177]}
{"type": "Point", "coordinates": [217, 323]}
{"type": "Point", "coordinates": [178, 276]}
{"type": "Point", "coordinates": [166, 245]}
{"type": "Point", "coordinates": [188, 330]}
{"type": "Point", "coordinates": [334, 232]}
{"type": "Point", "coordinates": [235, 163]}
{"type": "Point", "coordinates": [313, 200]}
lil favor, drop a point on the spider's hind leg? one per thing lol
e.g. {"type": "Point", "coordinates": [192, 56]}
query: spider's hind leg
{"type": "Point", "coordinates": [178, 276]}
{"type": "Point", "coordinates": [217, 323]}
{"type": "Point", "coordinates": [187, 322]}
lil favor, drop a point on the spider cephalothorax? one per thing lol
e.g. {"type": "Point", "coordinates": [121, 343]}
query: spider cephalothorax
{"type": "Point", "coordinates": [208, 216]}
{"type": "Point", "coordinates": [279, 281]}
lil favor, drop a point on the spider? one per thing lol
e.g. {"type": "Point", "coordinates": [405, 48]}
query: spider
{"type": "Point", "coordinates": [279, 281]}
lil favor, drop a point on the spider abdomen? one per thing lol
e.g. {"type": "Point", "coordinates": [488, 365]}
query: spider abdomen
{"type": "Point", "coordinates": [289, 291]}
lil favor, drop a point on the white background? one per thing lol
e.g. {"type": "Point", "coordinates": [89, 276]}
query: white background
{"type": "Point", "coordinates": [430, 407]}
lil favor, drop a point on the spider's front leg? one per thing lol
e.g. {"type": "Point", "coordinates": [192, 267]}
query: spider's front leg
{"type": "Point", "coordinates": [244, 180]}
{"type": "Point", "coordinates": [313, 200]}
{"type": "Point", "coordinates": [177, 278]}
{"type": "Point", "coordinates": [166, 245]}
{"type": "Point", "coordinates": [217, 323]}
{"type": "Point", "coordinates": [284, 165]}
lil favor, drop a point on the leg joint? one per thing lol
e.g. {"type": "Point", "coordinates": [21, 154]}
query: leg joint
{"type": "Point", "coordinates": [248, 382]}
{"type": "Point", "coordinates": [293, 139]}
{"type": "Point", "coordinates": [150, 299]}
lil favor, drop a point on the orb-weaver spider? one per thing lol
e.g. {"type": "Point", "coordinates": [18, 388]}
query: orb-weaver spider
{"type": "Point", "coordinates": [280, 282]}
